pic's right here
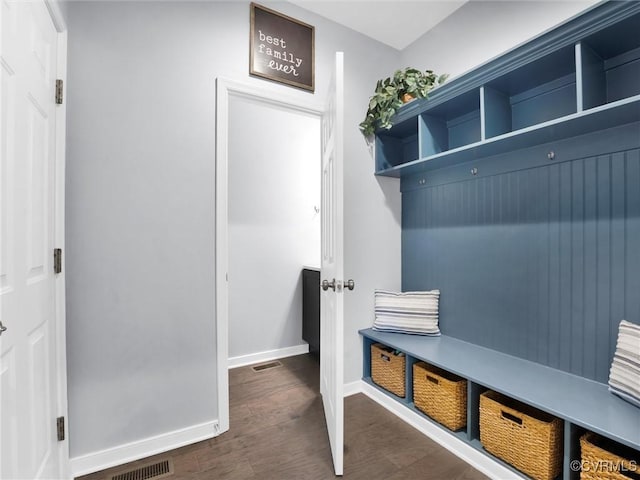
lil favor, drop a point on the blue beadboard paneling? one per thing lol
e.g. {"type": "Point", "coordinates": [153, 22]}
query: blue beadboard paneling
{"type": "Point", "coordinates": [619, 243]}
{"type": "Point", "coordinates": [590, 263]}
{"type": "Point", "coordinates": [540, 263]}
{"type": "Point", "coordinates": [603, 258]}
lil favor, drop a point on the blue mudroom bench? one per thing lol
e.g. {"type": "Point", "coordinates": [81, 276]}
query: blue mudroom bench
{"type": "Point", "coordinates": [520, 187]}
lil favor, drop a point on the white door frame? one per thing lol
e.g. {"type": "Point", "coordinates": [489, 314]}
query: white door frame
{"type": "Point", "coordinates": [226, 88]}
{"type": "Point", "coordinates": [59, 234]}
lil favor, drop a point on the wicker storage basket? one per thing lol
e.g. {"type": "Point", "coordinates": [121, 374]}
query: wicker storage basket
{"type": "Point", "coordinates": [440, 394]}
{"type": "Point", "coordinates": [604, 459]}
{"type": "Point", "coordinates": [521, 435]}
{"type": "Point", "coordinates": [387, 369]}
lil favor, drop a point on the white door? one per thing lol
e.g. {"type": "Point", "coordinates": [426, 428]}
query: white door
{"type": "Point", "coordinates": [28, 383]}
{"type": "Point", "coordinates": [331, 299]}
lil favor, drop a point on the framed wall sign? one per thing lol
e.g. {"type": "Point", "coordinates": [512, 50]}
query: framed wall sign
{"type": "Point", "coordinates": [281, 48]}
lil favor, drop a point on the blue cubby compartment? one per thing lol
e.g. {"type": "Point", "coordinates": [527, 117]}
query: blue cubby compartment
{"type": "Point", "coordinates": [572, 434]}
{"type": "Point", "coordinates": [390, 353]}
{"type": "Point", "coordinates": [409, 378]}
{"type": "Point", "coordinates": [541, 90]}
{"type": "Point", "coordinates": [612, 459]}
{"type": "Point", "coordinates": [397, 145]}
{"type": "Point", "coordinates": [366, 357]}
{"type": "Point", "coordinates": [474, 391]}
{"type": "Point", "coordinates": [450, 125]}
{"type": "Point", "coordinates": [609, 64]}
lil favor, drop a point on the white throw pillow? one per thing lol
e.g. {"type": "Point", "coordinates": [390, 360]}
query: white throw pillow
{"type": "Point", "coordinates": [408, 312]}
{"type": "Point", "coordinates": [624, 376]}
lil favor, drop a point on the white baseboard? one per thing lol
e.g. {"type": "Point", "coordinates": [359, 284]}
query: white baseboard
{"type": "Point", "coordinates": [112, 457]}
{"type": "Point", "coordinates": [244, 360]}
{"type": "Point", "coordinates": [352, 388]}
{"type": "Point", "coordinates": [458, 447]}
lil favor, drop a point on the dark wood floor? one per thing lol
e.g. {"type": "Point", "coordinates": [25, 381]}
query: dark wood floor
{"type": "Point", "coordinates": [278, 433]}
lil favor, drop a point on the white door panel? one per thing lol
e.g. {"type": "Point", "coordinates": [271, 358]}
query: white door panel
{"type": "Point", "coordinates": [8, 64]}
{"type": "Point", "coordinates": [28, 444]}
{"type": "Point", "coordinates": [8, 445]}
{"type": "Point", "coordinates": [331, 299]}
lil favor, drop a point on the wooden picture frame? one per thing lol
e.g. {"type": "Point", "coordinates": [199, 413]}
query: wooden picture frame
{"type": "Point", "coordinates": [281, 48]}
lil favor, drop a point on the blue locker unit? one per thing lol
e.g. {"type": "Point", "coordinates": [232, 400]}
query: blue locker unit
{"type": "Point", "coordinates": [520, 189]}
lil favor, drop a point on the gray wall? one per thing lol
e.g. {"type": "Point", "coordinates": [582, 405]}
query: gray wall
{"type": "Point", "coordinates": [140, 206]}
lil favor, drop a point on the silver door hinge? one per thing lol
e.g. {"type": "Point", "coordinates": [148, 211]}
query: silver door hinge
{"type": "Point", "coordinates": [57, 260]}
{"type": "Point", "coordinates": [59, 89]}
{"type": "Point", "coordinates": [60, 428]}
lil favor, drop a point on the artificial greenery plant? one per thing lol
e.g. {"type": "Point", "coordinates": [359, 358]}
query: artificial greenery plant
{"type": "Point", "coordinates": [390, 93]}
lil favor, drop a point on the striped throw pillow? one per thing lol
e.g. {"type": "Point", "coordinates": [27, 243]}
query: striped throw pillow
{"type": "Point", "coordinates": [408, 312]}
{"type": "Point", "coordinates": [624, 376]}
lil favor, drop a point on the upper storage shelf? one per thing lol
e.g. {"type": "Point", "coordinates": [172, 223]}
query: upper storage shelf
{"type": "Point", "coordinates": [536, 92]}
{"type": "Point", "coordinates": [581, 77]}
{"type": "Point", "coordinates": [609, 63]}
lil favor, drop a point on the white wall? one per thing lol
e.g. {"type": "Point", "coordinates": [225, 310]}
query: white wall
{"type": "Point", "coordinates": [140, 206]}
{"type": "Point", "coordinates": [481, 30]}
{"type": "Point", "coordinates": [274, 185]}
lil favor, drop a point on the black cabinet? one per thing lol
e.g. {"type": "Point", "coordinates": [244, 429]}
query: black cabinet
{"type": "Point", "coordinates": [311, 309]}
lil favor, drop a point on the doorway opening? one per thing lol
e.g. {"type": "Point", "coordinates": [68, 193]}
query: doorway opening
{"type": "Point", "coordinates": [267, 224]}
{"type": "Point", "coordinates": [273, 226]}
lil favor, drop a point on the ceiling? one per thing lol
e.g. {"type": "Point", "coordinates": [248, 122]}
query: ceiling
{"type": "Point", "coordinates": [409, 19]}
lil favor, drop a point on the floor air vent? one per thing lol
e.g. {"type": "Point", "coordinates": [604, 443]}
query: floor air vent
{"type": "Point", "coordinates": [150, 471]}
{"type": "Point", "coordinates": [265, 366]}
